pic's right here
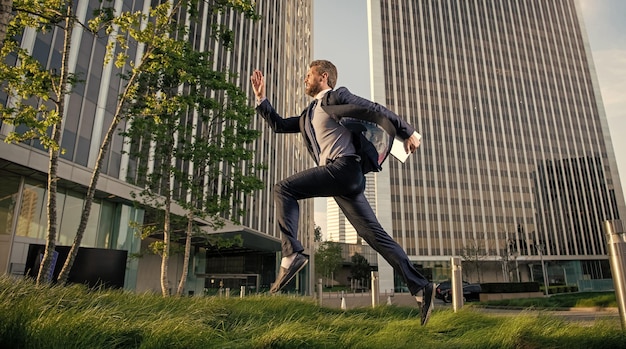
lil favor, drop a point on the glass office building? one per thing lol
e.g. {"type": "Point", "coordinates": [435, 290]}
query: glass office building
{"type": "Point", "coordinates": [279, 44]}
{"type": "Point", "coordinates": [516, 165]}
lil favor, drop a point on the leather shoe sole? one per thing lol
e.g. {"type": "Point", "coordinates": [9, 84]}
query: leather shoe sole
{"type": "Point", "coordinates": [286, 274]}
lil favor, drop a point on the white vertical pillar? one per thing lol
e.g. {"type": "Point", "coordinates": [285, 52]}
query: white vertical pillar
{"type": "Point", "coordinates": [375, 288]}
{"type": "Point", "coordinates": [457, 284]}
{"type": "Point", "coordinates": [616, 237]}
{"type": "Point", "coordinates": [103, 94]}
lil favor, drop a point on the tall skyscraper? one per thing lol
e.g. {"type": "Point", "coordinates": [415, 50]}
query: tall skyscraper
{"type": "Point", "coordinates": [279, 44]}
{"type": "Point", "coordinates": [516, 163]}
{"type": "Point", "coordinates": [338, 228]}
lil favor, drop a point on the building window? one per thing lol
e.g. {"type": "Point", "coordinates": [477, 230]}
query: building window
{"type": "Point", "coordinates": [32, 217]}
{"type": "Point", "coordinates": [8, 198]}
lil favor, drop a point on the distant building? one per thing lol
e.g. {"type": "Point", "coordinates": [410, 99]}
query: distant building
{"type": "Point", "coordinates": [338, 228]}
{"type": "Point", "coordinates": [516, 162]}
{"type": "Point", "coordinates": [344, 275]}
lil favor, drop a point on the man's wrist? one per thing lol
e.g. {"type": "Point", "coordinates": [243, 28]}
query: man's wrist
{"type": "Point", "coordinates": [260, 100]}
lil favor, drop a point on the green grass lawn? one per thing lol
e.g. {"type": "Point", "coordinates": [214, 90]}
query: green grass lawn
{"type": "Point", "coordinates": [74, 317]}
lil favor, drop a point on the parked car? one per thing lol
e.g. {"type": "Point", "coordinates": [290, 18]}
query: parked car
{"type": "Point", "coordinates": [445, 285]}
{"type": "Point", "coordinates": [471, 292]}
{"type": "Point", "coordinates": [401, 289]}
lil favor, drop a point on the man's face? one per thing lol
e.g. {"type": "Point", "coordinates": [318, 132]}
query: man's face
{"type": "Point", "coordinates": [314, 82]}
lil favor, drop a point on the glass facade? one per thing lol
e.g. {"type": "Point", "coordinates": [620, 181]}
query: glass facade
{"type": "Point", "coordinates": [516, 153]}
{"type": "Point", "coordinates": [279, 44]}
{"type": "Point", "coordinates": [9, 194]}
{"type": "Point", "coordinates": [31, 222]}
{"type": "Point", "coordinates": [102, 230]}
{"type": "Point", "coordinates": [23, 211]}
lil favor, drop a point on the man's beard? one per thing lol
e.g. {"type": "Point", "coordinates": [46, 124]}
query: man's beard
{"type": "Point", "coordinates": [313, 89]}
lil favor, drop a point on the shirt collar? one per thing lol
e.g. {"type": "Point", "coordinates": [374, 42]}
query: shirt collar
{"type": "Point", "coordinates": [322, 93]}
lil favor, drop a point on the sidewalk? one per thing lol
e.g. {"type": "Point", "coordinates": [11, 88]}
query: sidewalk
{"type": "Point", "coordinates": [359, 300]}
{"type": "Point", "coordinates": [584, 315]}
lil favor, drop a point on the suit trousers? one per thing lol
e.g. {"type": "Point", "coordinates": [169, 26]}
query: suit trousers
{"type": "Point", "coordinates": [343, 180]}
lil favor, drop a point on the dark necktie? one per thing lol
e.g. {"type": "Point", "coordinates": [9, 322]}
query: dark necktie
{"type": "Point", "coordinates": [308, 126]}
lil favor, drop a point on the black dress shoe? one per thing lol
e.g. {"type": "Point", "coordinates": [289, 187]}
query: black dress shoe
{"type": "Point", "coordinates": [428, 302]}
{"type": "Point", "coordinates": [286, 274]}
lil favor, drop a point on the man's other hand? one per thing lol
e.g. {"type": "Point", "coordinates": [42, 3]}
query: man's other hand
{"type": "Point", "coordinates": [258, 84]}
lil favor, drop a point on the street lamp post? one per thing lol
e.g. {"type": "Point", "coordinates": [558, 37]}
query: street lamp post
{"type": "Point", "coordinates": [515, 255]}
{"type": "Point", "coordinates": [513, 251]}
{"type": "Point", "coordinates": [546, 282]}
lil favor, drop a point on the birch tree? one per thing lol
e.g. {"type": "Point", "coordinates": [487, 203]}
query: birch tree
{"type": "Point", "coordinates": [473, 255]}
{"type": "Point", "coordinates": [189, 133]}
{"type": "Point", "coordinates": [38, 96]}
{"type": "Point", "coordinates": [196, 142]}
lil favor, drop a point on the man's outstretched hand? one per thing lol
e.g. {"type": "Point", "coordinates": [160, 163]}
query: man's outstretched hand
{"type": "Point", "coordinates": [258, 84]}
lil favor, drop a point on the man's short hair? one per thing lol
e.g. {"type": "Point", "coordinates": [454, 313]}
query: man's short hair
{"type": "Point", "coordinates": [324, 66]}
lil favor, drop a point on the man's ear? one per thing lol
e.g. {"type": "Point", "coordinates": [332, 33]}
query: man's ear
{"type": "Point", "coordinates": [325, 77]}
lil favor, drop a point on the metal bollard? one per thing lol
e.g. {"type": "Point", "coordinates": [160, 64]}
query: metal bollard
{"type": "Point", "coordinates": [319, 292]}
{"type": "Point", "coordinates": [227, 292]}
{"type": "Point", "coordinates": [457, 283]}
{"type": "Point", "coordinates": [375, 290]}
{"type": "Point", "coordinates": [616, 237]}
{"type": "Point", "coordinates": [242, 293]}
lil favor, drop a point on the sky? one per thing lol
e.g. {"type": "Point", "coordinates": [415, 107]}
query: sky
{"type": "Point", "coordinates": [340, 35]}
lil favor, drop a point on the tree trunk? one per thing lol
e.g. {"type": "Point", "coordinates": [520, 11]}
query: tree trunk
{"type": "Point", "coordinates": [46, 263]}
{"type": "Point", "coordinates": [69, 23]}
{"type": "Point", "coordinates": [54, 150]}
{"type": "Point", "coordinates": [167, 225]}
{"type": "Point", "coordinates": [91, 191]}
{"type": "Point", "coordinates": [183, 277]}
{"type": "Point", "coordinates": [6, 9]}
{"type": "Point", "coordinates": [95, 175]}
{"type": "Point", "coordinates": [165, 256]}
{"type": "Point", "coordinates": [166, 250]}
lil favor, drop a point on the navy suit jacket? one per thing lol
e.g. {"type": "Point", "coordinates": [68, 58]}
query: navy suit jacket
{"type": "Point", "coordinates": [347, 108]}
